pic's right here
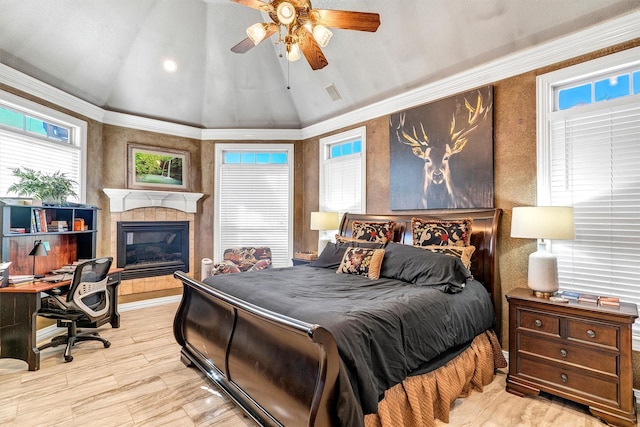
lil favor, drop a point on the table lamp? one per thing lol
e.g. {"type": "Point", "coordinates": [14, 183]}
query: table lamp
{"type": "Point", "coordinates": [38, 250]}
{"type": "Point", "coordinates": [323, 221]}
{"type": "Point", "coordinates": [543, 222]}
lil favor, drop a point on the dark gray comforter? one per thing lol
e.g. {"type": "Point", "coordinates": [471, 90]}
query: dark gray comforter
{"type": "Point", "coordinates": [385, 329]}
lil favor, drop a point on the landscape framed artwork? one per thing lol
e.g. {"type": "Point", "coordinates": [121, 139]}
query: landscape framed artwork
{"type": "Point", "coordinates": [157, 168]}
{"type": "Point", "coordinates": [441, 153]}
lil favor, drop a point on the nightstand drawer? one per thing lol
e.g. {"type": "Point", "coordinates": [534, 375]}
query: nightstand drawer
{"type": "Point", "coordinates": [567, 353]}
{"type": "Point", "coordinates": [588, 386]}
{"type": "Point", "coordinates": [591, 332]}
{"type": "Point", "coordinates": [539, 322]}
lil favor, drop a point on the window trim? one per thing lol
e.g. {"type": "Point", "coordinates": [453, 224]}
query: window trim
{"type": "Point", "coordinates": [219, 158]}
{"type": "Point", "coordinates": [352, 134]}
{"type": "Point", "coordinates": [77, 136]}
{"type": "Point", "coordinates": [545, 85]}
{"type": "Point", "coordinates": [545, 113]}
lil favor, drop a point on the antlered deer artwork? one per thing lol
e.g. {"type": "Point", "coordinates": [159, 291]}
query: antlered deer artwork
{"type": "Point", "coordinates": [441, 154]}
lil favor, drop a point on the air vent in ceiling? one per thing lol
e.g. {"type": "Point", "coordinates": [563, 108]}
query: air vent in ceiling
{"type": "Point", "coordinates": [333, 92]}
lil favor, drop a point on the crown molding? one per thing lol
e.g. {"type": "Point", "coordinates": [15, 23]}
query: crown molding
{"type": "Point", "coordinates": [25, 83]}
{"type": "Point", "coordinates": [589, 40]}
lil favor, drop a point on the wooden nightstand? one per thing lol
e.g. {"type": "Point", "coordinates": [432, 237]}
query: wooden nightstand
{"type": "Point", "coordinates": [578, 351]}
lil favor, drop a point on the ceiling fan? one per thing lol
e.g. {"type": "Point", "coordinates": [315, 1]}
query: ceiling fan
{"type": "Point", "coordinates": [301, 28]}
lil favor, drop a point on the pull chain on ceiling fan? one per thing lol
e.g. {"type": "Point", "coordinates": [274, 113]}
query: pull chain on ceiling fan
{"type": "Point", "coordinates": [302, 29]}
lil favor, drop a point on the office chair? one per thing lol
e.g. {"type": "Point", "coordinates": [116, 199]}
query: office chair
{"type": "Point", "coordinates": [86, 300]}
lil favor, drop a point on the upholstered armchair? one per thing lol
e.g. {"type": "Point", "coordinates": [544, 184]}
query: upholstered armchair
{"type": "Point", "coordinates": [240, 259]}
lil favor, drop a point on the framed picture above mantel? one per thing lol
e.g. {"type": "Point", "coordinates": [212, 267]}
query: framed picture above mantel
{"type": "Point", "coordinates": [157, 168]}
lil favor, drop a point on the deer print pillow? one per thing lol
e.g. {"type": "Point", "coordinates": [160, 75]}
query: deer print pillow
{"type": "Point", "coordinates": [428, 232]}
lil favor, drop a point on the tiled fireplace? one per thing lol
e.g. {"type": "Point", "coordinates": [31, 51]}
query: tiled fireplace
{"type": "Point", "coordinates": [139, 208]}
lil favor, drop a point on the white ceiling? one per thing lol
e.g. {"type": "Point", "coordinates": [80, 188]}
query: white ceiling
{"type": "Point", "coordinates": [110, 53]}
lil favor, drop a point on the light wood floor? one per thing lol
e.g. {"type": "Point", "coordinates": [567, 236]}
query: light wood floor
{"type": "Point", "coordinates": [140, 381]}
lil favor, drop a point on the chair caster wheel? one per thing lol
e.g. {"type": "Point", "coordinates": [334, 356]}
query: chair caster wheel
{"type": "Point", "coordinates": [107, 345]}
{"type": "Point", "coordinates": [68, 358]}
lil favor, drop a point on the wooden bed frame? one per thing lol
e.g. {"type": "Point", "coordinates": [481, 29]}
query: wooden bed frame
{"type": "Point", "coordinates": [249, 352]}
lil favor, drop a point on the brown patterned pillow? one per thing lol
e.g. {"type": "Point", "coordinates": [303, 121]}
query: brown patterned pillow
{"type": "Point", "coordinates": [362, 262]}
{"type": "Point", "coordinates": [373, 231]}
{"type": "Point", "coordinates": [428, 232]}
{"type": "Point", "coordinates": [462, 252]}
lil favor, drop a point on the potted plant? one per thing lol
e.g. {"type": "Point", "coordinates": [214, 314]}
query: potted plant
{"type": "Point", "coordinates": [52, 188]}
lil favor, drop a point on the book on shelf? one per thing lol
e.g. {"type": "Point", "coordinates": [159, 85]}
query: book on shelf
{"type": "Point", "coordinates": [610, 301]}
{"type": "Point", "coordinates": [589, 298]}
{"type": "Point", "coordinates": [17, 230]}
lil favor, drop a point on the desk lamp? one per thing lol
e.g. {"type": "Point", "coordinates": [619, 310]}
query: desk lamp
{"type": "Point", "coordinates": [38, 250]}
{"type": "Point", "coordinates": [323, 221]}
{"type": "Point", "coordinates": [543, 222]}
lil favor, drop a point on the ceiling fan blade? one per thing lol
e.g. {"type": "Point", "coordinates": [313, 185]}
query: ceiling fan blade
{"type": "Point", "coordinates": [347, 20]}
{"type": "Point", "coordinates": [256, 4]}
{"type": "Point", "coordinates": [246, 44]}
{"type": "Point", "coordinates": [311, 50]}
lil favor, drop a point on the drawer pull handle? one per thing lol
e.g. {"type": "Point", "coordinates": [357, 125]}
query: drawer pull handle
{"type": "Point", "coordinates": [564, 378]}
{"type": "Point", "coordinates": [591, 333]}
{"type": "Point", "coordinates": [538, 323]}
{"type": "Point", "coordinates": [563, 352]}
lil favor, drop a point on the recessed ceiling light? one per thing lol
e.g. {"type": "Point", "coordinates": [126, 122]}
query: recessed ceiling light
{"type": "Point", "coordinates": [170, 66]}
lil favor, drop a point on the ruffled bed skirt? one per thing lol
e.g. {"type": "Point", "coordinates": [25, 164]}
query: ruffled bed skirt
{"type": "Point", "coordinates": [419, 400]}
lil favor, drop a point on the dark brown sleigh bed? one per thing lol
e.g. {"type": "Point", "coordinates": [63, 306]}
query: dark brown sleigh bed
{"type": "Point", "coordinates": [286, 372]}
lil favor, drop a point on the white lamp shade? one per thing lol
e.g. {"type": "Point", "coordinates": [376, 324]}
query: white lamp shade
{"type": "Point", "coordinates": [293, 52]}
{"type": "Point", "coordinates": [256, 33]}
{"type": "Point", "coordinates": [322, 35]}
{"type": "Point", "coordinates": [543, 222]}
{"type": "Point", "coordinates": [325, 220]}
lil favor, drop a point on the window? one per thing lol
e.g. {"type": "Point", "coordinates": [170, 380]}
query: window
{"type": "Point", "coordinates": [54, 142]}
{"type": "Point", "coordinates": [588, 158]}
{"type": "Point", "coordinates": [253, 204]}
{"type": "Point", "coordinates": [343, 172]}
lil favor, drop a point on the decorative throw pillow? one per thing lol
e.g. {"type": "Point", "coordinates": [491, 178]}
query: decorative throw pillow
{"type": "Point", "coordinates": [462, 252]}
{"type": "Point", "coordinates": [362, 262]}
{"type": "Point", "coordinates": [373, 231]}
{"type": "Point", "coordinates": [331, 256]}
{"type": "Point", "coordinates": [428, 232]}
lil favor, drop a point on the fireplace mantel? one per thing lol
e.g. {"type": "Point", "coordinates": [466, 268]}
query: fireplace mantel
{"type": "Point", "coordinates": [126, 199]}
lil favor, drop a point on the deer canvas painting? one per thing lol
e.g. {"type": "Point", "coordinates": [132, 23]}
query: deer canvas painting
{"type": "Point", "coordinates": [441, 153]}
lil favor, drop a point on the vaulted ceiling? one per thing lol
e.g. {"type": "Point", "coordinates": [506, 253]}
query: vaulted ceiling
{"type": "Point", "coordinates": [111, 52]}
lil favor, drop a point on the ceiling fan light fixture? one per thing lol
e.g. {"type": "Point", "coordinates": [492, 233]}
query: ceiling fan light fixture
{"type": "Point", "coordinates": [286, 13]}
{"type": "Point", "coordinates": [293, 52]}
{"type": "Point", "coordinates": [322, 35]}
{"type": "Point", "coordinates": [257, 32]}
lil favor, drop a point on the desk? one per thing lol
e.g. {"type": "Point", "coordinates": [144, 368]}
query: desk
{"type": "Point", "coordinates": [18, 312]}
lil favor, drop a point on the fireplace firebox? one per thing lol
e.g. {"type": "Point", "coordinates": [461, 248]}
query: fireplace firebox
{"type": "Point", "coordinates": [148, 249]}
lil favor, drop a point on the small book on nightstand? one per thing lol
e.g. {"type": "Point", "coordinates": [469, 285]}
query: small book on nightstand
{"type": "Point", "coordinates": [610, 301]}
{"type": "Point", "coordinates": [588, 298]}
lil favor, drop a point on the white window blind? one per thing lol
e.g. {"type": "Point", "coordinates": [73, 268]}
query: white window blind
{"type": "Point", "coordinates": [254, 208]}
{"type": "Point", "coordinates": [20, 151]}
{"type": "Point", "coordinates": [341, 185]}
{"type": "Point", "coordinates": [343, 177]}
{"type": "Point", "coordinates": [595, 167]}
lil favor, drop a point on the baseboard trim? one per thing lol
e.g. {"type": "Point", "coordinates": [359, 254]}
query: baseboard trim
{"type": "Point", "coordinates": [53, 330]}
